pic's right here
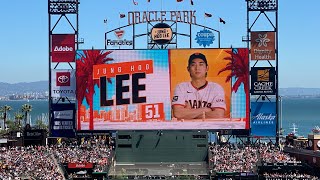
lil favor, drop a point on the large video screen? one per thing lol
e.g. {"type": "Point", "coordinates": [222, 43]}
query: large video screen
{"type": "Point", "coordinates": [162, 89]}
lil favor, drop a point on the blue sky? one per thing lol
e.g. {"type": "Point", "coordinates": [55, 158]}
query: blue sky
{"type": "Point", "coordinates": [24, 33]}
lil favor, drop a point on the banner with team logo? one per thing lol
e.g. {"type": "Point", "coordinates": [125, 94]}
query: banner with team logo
{"type": "Point", "coordinates": [63, 120]}
{"type": "Point", "coordinates": [263, 119]}
{"type": "Point", "coordinates": [263, 81]}
{"type": "Point", "coordinates": [134, 89]}
{"type": "Point", "coordinates": [263, 45]}
{"type": "Point", "coordinates": [63, 83]}
{"type": "Point", "coordinates": [63, 48]}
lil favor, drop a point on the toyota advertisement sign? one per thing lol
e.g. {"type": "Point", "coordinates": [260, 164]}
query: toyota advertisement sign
{"type": "Point", "coordinates": [63, 48]}
{"type": "Point", "coordinates": [63, 83]}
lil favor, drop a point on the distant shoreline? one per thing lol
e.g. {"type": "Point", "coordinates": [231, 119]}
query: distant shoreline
{"type": "Point", "coordinates": [24, 100]}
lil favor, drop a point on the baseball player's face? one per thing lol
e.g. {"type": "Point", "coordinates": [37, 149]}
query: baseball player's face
{"type": "Point", "coordinates": [198, 69]}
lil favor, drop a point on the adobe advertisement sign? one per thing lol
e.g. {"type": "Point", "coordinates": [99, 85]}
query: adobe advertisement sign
{"type": "Point", "coordinates": [263, 118]}
{"type": "Point", "coordinates": [263, 45]}
{"type": "Point", "coordinates": [80, 165]}
{"type": "Point", "coordinates": [263, 81]}
{"type": "Point", "coordinates": [63, 83]}
{"type": "Point", "coordinates": [63, 120]}
{"type": "Point", "coordinates": [136, 89]}
{"type": "Point", "coordinates": [63, 48]}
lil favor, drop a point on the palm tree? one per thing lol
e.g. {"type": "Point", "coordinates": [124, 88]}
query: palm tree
{"type": "Point", "coordinates": [5, 109]}
{"type": "Point", "coordinates": [18, 117]}
{"type": "Point", "coordinates": [85, 82]}
{"type": "Point", "coordinates": [40, 124]}
{"type": "Point", "coordinates": [26, 108]}
{"type": "Point", "coordinates": [239, 69]}
{"type": "Point", "coordinates": [11, 125]}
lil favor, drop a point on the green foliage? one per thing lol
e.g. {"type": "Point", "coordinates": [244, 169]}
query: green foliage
{"type": "Point", "coordinates": [5, 109]}
{"type": "Point", "coordinates": [41, 125]}
{"type": "Point", "coordinates": [12, 126]}
{"type": "Point", "coordinates": [26, 108]}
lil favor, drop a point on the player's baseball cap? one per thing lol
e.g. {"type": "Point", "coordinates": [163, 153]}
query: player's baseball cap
{"type": "Point", "coordinates": [199, 56]}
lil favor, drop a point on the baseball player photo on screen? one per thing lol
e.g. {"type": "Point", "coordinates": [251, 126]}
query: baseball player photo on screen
{"type": "Point", "coordinates": [198, 98]}
{"type": "Point", "coordinates": [162, 89]}
{"type": "Point", "coordinates": [209, 88]}
{"type": "Point", "coordinates": [198, 91]}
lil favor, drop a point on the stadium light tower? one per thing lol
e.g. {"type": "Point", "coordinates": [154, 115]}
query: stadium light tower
{"type": "Point", "coordinates": [267, 11]}
{"type": "Point", "coordinates": [61, 9]}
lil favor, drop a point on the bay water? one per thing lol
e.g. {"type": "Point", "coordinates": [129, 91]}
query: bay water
{"type": "Point", "coordinates": [304, 112]}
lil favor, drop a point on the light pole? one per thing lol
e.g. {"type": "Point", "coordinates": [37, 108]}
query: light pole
{"type": "Point", "coordinates": [280, 119]}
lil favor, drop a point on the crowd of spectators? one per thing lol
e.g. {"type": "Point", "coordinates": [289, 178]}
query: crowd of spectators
{"type": "Point", "coordinates": [27, 162]}
{"type": "Point", "coordinates": [244, 158]}
{"type": "Point", "coordinates": [289, 176]}
{"type": "Point", "coordinates": [91, 151]}
{"type": "Point", "coordinates": [233, 158]}
{"type": "Point", "coordinates": [272, 154]}
{"type": "Point", "coordinates": [44, 162]}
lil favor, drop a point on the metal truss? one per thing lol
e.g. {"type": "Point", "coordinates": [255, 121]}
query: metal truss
{"type": "Point", "coordinates": [256, 10]}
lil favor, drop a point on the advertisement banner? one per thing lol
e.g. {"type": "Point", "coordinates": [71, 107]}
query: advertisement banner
{"type": "Point", "coordinates": [34, 134]}
{"type": "Point", "coordinates": [263, 81]}
{"type": "Point", "coordinates": [63, 120]}
{"type": "Point", "coordinates": [263, 119]}
{"type": "Point", "coordinates": [263, 45]}
{"type": "Point", "coordinates": [63, 48]}
{"type": "Point", "coordinates": [80, 165]}
{"type": "Point", "coordinates": [161, 33]}
{"type": "Point", "coordinates": [118, 39]}
{"type": "Point", "coordinates": [63, 83]}
{"type": "Point", "coordinates": [144, 89]}
{"type": "Point", "coordinates": [205, 37]}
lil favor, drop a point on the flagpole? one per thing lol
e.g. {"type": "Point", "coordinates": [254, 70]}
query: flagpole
{"type": "Point", "coordinates": [105, 34]}
{"type": "Point", "coordinates": [204, 18]}
{"type": "Point", "coordinates": [219, 31]}
{"type": "Point", "coordinates": [119, 19]}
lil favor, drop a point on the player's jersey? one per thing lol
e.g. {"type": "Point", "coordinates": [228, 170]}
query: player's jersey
{"type": "Point", "coordinates": [211, 95]}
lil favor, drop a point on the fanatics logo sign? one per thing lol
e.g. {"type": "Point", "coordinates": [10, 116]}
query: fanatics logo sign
{"type": "Point", "coordinates": [119, 42]}
{"type": "Point", "coordinates": [119, 33]}
{"type": "Point", "coordinates": [63, 79]}
{"type": "Point", "coordinates": [63, 48]}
